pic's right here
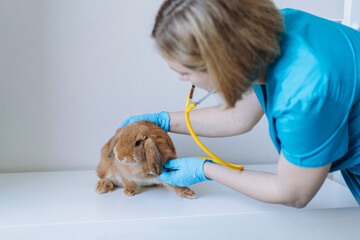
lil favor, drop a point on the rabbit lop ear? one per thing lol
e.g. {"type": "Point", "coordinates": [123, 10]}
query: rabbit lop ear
{"type": "Point", "coordinates": [113, 142]}
{"type": "Point", "coordinates": [153, 157]}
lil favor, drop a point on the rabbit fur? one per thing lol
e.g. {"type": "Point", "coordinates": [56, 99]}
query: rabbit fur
{"type": "Point", "coordinates": [134, 157]}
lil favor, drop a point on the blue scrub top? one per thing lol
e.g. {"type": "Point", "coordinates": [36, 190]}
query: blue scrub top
{"type": "Point", "coordinates": [311, 95]}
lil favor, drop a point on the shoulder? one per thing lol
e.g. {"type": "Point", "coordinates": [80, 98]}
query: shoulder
{"type": "Point", "coordinates": [298, 76]}
{"type": "Point", "coordinates": [311, 65]}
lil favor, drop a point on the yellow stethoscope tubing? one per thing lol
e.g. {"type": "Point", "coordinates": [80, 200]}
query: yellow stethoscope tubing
{"type": "Point", "coordinates": [214, 158]}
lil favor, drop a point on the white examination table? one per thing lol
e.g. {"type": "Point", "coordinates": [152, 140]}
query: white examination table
{"type": "Point", "coordinates": [64, 205]}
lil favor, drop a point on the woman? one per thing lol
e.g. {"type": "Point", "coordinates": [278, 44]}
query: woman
{"type": "Point", "coordinates": [300, 70]}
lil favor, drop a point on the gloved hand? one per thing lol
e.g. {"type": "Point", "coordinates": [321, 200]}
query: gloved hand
{"type": "Point", "coordinates": [190, 171]}
{"type": "Point", "coordinates": [162, 119]}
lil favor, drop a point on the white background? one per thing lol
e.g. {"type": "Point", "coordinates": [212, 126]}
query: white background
{"type": "Point", "coordinates": [71, 71]}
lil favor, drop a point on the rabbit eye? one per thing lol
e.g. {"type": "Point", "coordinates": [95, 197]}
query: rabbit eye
{"type": "Point", "coordinates": [137, 143]}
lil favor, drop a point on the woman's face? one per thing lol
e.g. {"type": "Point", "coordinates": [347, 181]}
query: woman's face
{"type": "Point", "coordinates": [198, 78]}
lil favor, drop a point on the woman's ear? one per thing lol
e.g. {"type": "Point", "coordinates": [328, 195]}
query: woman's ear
{"type": "Point", "coordinates": [153, 157]}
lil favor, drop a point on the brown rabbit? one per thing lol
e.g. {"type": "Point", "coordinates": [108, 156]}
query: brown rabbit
{"type": "Point", "coordinates": [133, 158]}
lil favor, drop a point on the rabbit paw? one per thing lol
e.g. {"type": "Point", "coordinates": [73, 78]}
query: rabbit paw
{"type": "Point", "coordinates": [130, 192]}
{"type": "Point", "coordinates": [104, 186]}
{"type": "Point", "coordinates": [185, 192]}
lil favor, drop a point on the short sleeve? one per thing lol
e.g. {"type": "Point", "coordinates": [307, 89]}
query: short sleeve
{"type": "Point", "coordinates": [313, 132]}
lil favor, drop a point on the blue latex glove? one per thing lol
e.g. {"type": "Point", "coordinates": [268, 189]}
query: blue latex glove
{"type": "Point", "coordinates": [162, 119]}
{"type": "Point", "coordinates": [190, 171]}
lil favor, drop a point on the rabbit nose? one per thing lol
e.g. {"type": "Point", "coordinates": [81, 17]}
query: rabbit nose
{"type": "Point", "coordinates": [124, 160]}
{"type": "Point", "coordinates": [120, 160]}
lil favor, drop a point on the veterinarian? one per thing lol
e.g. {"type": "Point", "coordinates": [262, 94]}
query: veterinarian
{"type": "Point", "coordinates": [302, 71]}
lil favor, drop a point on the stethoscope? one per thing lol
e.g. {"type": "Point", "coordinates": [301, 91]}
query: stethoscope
{"type": "Point", "coordinates": [190, 104]}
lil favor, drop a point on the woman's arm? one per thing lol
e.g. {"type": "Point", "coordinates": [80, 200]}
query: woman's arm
{"type": "Point", "coordinates": [292, 185]}
{"type": "Point", "coordinates": [220, 122]}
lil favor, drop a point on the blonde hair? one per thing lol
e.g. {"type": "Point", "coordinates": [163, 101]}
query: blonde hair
{"type": "Point", "coordinates": [232, 40]}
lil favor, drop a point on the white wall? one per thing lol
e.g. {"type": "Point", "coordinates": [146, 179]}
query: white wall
{"type": "Point", "coordinates": [355, 14]}
{"type": "Point", "coordinates": [332, 9]}
{"type": "Point", "coordinates": [71, 71]}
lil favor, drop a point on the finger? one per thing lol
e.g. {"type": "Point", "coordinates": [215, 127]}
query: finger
{"type": "Point", "coordinates": [165, 176]}
{"type": "Point", "coordinates": [172, 164]}
{"type": "Point", "coordinates": [124, 123]}
{"type": "Point", "coordinates": [129, 121]}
